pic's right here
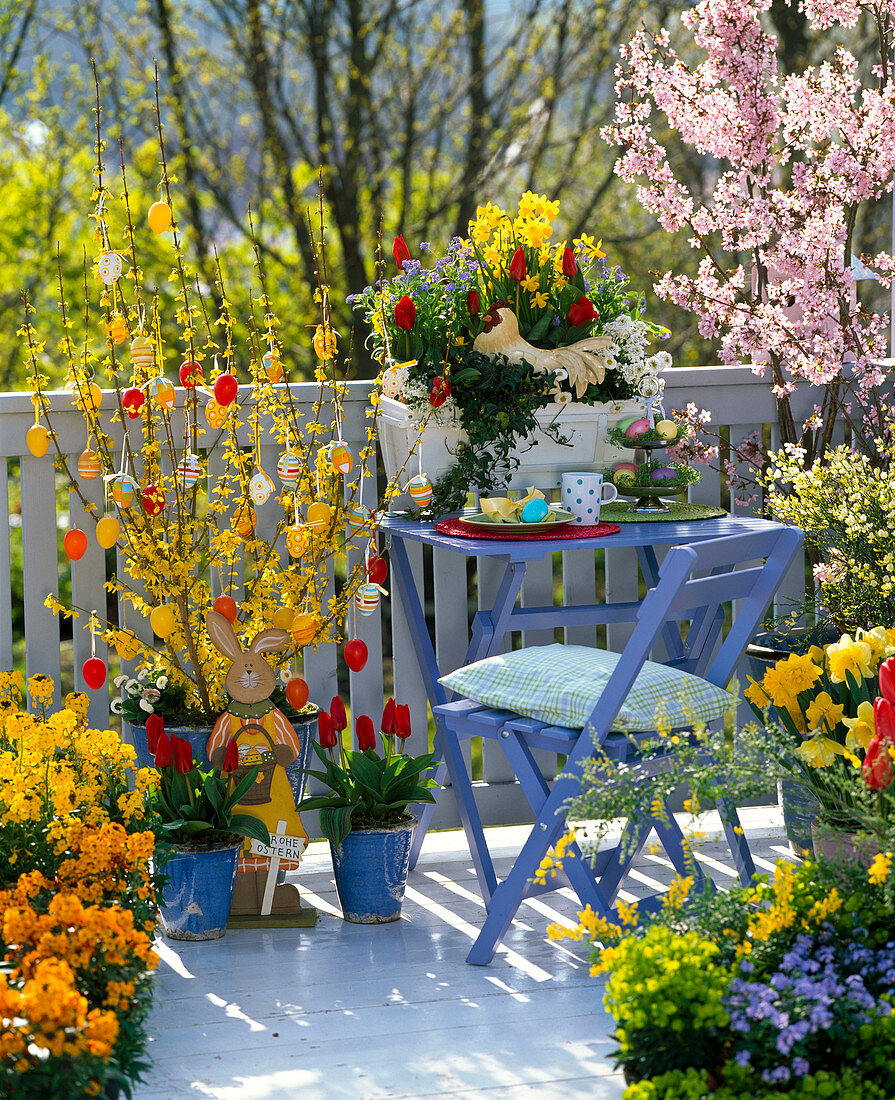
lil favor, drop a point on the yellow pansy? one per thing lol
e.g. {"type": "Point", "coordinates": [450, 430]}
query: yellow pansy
{"type": "Point", "coordinates": [849, 656]}
{"type": "Point", "coordinates": [820, 752]}
{"type": "Point", "coordinates": [860, 728]}
{"type": "Point", "coordinates": [823, 713]}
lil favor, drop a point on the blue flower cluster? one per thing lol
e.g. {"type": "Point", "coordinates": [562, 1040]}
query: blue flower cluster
{"type": "Point", "coordinates": [822, 986]}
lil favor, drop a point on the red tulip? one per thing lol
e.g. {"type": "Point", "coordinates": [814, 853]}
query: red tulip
{"type": "Point", "coordinates": [877, 766]}
{"type": "Point", "coordinates": [164, 755]}
{"type": "Point", "coordinates": [581, 312]}
{"type": "Point", "coordinates": [401, 252]}
{"type": "Point", "coordinates": [326, 735]}
{"type": "Point", "coordinates": [517, 266]}
{"type": "Point", "coordinates": [405, 313]}
{"type": "Point", "coordinates": [337, 714]}
{"type": "Point", "coordinates": [402, 720]}
{"type": "Point", "coordinates": [389, 724]}
{"type": "Point", "coordinates": [569, 266]}
{"type": "Point", "coordinates": [366, 735]}
{"type": "Point", "coordinates": [155, 725]}
{"type": "Point", "coordinates": [473, 302]}
{"type": "Point", "coordinates": [231, 756]}
{"type": "Point", "coordinates": [183, 754]}
{"type": "Point", "coordinates": [884, 719]}
{"type": "Point", "coordinates": [887, 679]}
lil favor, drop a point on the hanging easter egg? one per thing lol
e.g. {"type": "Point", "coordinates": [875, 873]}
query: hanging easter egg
{"type": "Point", "coordinates": [89, 465]}
{"type": "Point", "coordinates": [377, 570]}
{"type": "Point", "coordinates": [117, 328]}
{"type": "Point", "coordinates": [319, 516]}
{"type": "Point", "coordinates": [360, 517]}
{"type": "Point", "coordinates": [225, 389]}
{"type": "Point", "coordinates": [244, 520]}
{"type": "Point", "coordinates": [667, 429]}
{"type": "Point", "coordinates": [282, 618]}
{"type": "Point", "coordinates": [355, 654]}
{"type": "Point", "coordinates": [366, 599]}
{"type": "Point", "coordinates": [161, 391]}
{"type": "Point", "coordinates": [534, 511]}
{"type": "Point", "coordinates": [74, 544]}
{"type": "Point", "coordinates": [87, 396]}
{"type": "Point", "coordinates": [341, 459]}
{"type": "Point", "coordinates": [132, 401]}
{"type": "Point", "coordinates": [304, 627]}
{"type": "Point", "coordinates": [289, 467]}
{"type": "Point", "coordinates": [159, 217]}
{"type": "Point", "coordinates": [142, 353]}
{"type": "Point", "coordinates": [297, 540]}
{"type": "Point", "coordinates": [162, 620]}
{"type": "Point", "coordinates": [391, 382]}
{"type": "Point", "coordinates": [94, 672]}
{"type": "Point", "coordinates": [215, 414]}
{"type": "Point", "coordinates": [107, 532]}
{"type": "Point", "coordinates": [260, 487]}
{"type": "Point", "coordinates": [37, 439]}
{"type": "Point", "coordinates": [226, 606]}
{"type": "Point", "coordinates": [153, 500]}
{"type": "Point", "coordinates": [420, 489]}
{"type": "Point", "coordinates": [124, 489]}
{"type": "Point", "coordinates": [190, 373]}
{"type": "Point", "coordinates": [297, 692]}
{"type": "Point", "coordinates": [109, 267]}
{"type": "Point", "coordinates": [326, 343]}
{"type": "Point", "coordinates": [189, 470]}
{"type": "Point", "coordinates": [273, 366]}
{"type": "Point", "coordinates": [127, 644]}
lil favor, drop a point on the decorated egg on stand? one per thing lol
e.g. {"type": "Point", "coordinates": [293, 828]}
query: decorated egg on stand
{"type": "Point", "coordinates": [360, 517]}
{"type": "Point", "coordinates": [288, 467]}
{"type": "Point", "coordinates": [189, 470]}
{"type": "Point", "coordinates": [124, 489]}
{"type": "Point", "coordinates": [667, 429]}
{"type": "Point", "coordinates": [366, 599]}
{"type": "Point", "coordinates": [161, 391]}
{"type": "Point", "coordinates": [89, 465]}
{"type": "Point", "coordinates": [664, 473]}
{"type": "Point", "coordinates": [142, 353]}
{"type": "Point", "coordinates": [624, 473]}
{"type": "Point", "coordinates": [215, 414]}
{"type": "Point", "coordinates": [273, 366]}
{"type": "Point", "coordinates": [260, 487]}
{"type": "Point", "coordinates": [627, 422]}
{"type": "Point", "coordinates": [297, 540]}
{"type": "Point", "coordinates": [637, 427]}
{"type": "Point", "coordinates": [340, 458]}
{"type": "Point", "coordinates": [420, 489]}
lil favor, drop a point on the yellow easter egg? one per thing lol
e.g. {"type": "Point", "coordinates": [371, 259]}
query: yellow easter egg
{"type": "Point", "coordinates": [215, 414]}
{"type": "Point", "coordinates": [304, 627]}
{"type": "Point", "coordinates": [325, 343]}
{"type": "Point", "coordinates": [38, 440]}
{"type": "Point", "coordinates": [107, 532]}
{"type": "Point", "coordinates": [282, 618]}
{"type": "Point", "coordinates": [244, 521]}
{"type": "Point", "coordinates": [667, 429]}
{"type": "Point", "coordinates": [297, 540]}
{"type": "Point", "coordinates": [161, 619]}
{"type": "Point", "coordinates": [127, 644]}
{"type": "Point", "coordinates": [319, 515]}
{"type": "Point", "coordinates": [273, 366]}
{"type": "Point", "coordinates": [142, 352]}
{"type": "Point", "coordinates": [159, 217]}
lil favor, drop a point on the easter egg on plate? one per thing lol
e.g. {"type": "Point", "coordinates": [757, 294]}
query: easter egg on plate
{"type": "Point", "coordinates": [667, 429]}
{"type": "Point", "coordinates": [637, 427]}
{"type": "Point", "coordinates": [627, 422]}
{"type": "Point", "coordinates": [664, 473]}
{"type": "Point", "coordinates": [534, 511]}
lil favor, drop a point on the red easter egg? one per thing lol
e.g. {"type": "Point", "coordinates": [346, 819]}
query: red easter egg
{"type": "Point", "coordinates": [355, 654]}
{"type": "Point", "coordinates": [297, 692]}
{"type": "Point", "coordinates": [637, 428]}
{"type": "Point", "coordinates": [75, 543]}
{"type": "Point", "coordinates": [153, 500]}
{"type": "Point", "coordinates": [133, 400]}
{"type": "Point", "coordinates": [377, 570]}
{"type": "Point", "coordinates": [226, 606]}
{"type": "Point", "coordinates": [225, 389]}
{"type": "Point", "coordinates": [190, 373]}
{"type": "Point", "coordinates": [94, 672]}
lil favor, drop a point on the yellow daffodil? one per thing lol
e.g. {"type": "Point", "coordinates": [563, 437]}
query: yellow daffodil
{"type": "Point", "coordinates": [849, 656]}
{"type": "Point", "coordinates": [823, 713]}
{"type": "Point", "coordinates": [820, 752]}
{"type": "Point", "coordinates": [531, 283]}
{"type": "Point", "coordinates": [756, 694]}
{"type": "Point", "coordinates": [798, 672]}
{"type": "Point", "coordinates": [540, 300]}
{"type": "Point", "coordinates": [861, 729]}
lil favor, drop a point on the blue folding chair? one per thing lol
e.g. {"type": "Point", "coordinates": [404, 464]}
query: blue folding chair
{"type": "Point", "coordinates": [694, 583]}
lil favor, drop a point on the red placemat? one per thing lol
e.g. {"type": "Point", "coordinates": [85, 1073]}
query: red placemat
{"type": "Point", "coordinates": [459, 528]}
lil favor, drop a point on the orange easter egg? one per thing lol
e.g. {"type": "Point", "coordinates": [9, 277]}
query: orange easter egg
{"type": "Point", "coordinates": [304, 627]}
{"type": "Point", "coordinates": [319, 515]}
{"type": "Point", "coordinates": [159, 217]}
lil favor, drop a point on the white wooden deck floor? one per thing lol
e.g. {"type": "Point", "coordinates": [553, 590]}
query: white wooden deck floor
{"type": "Point", "coordinates": [344, 1010]}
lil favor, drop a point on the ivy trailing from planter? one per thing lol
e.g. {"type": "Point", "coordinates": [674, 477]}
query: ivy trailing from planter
{"type": "Point", "coordinates": [497, 400]}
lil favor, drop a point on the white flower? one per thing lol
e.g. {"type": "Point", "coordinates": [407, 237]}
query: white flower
{"type": "Point", "coordinates": [161, 683]}
{"type": "Point", "coordinates": [142, 674]}
{"type": "Point", "coordinates": [563, 397]}
{"type": "Point", "coordinates": [150, 695]}
{"type": "Point", "coordinates": [119, 680]}
{"type": "Point", "coordinates": [133, 687]}
{"type": "Point", "coordinates": [116, 706]}
{"type": "Point", "coordinates": [146, 706]}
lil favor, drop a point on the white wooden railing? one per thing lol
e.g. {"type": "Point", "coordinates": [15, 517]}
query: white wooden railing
{"type": "Point", "coordinates": [739, 401]}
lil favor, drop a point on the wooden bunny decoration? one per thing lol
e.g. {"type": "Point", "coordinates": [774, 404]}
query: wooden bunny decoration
{"type": "Point", "coordinates": [264, 738]}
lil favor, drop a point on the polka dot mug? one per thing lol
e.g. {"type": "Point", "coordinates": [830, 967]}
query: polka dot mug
{"type": "Point", "coordinates": [582, 494]}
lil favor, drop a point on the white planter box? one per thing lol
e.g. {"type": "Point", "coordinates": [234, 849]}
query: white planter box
{"type": "Point", "coordinates": [543, 460]}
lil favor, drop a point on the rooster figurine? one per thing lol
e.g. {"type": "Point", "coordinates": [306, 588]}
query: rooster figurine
{"type": "Point", "coordinates": [579, 361]}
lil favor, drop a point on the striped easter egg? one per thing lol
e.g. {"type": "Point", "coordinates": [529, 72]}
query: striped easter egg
{"type": "Point", "coordinates": [360, 517]}
{"type": "Point", "coordinates": [189, 470]}
{"type": "Point", "coordinates": [341, 459]}
{"type": "Point", "coordinates": [142, 352]}
{"type": "Point", "coordinates": [124, 489]}
{"type": "Point", "coordinates": [161, 391]}
{"type": "Point", "coordinates": [420, 489]}
{"type": "Point", "coordinates": [89, 465]}
{"type": "Point", "coordinates": [366, 599]}
{"type": "Point", "coordinates": [289, 467]}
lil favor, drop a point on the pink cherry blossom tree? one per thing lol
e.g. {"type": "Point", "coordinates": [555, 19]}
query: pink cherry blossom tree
{"type": "Point", "coordinates": [797, 156]}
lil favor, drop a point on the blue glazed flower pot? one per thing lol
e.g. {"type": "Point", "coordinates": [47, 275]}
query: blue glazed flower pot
{"type": "Point", "coordinates": [371, 872]}
{"type": "Point", "coordinates": [195, 902]}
